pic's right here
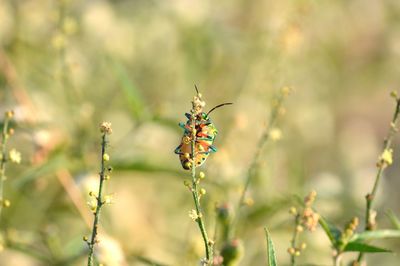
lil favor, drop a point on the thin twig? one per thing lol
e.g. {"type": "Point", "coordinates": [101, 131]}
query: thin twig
{"type": "Point", "coordinates": [100, 201]}
{"type": "Point", "coordinates": [4, 138]}
{"type": "Point", "coordinates": [293, 241]}
{"type": "Point", "coordinates": [369, 223]}
{"type": "Point", "coordinates": [195, 193]}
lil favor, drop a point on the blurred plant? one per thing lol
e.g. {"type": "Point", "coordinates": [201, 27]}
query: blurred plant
{"type": "Point", "coordinates": [270, 132]}
{"type": "Point", "coordinates": [232, 251]}
{"type": "Point", "coordinates": [13, 156]}
{"type": "Point", "coordinates": [191, 161]}
{"type": "Point", "coordinates": [305, 217]}
{"type": "Point", "coordinates": [384, 160]}
{"type": "Point", "coordinates": [97, 204]}
{"type": "Point", "coordinates": [348, 240]}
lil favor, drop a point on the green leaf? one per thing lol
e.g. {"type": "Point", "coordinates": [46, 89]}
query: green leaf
{"type": "Point", "coordinates": [378, 234]}
{"type": "Point", "coordinates": [331, 231]}
{"type": "Point", "coordinates": [394, 219]}
{"type": "Point", "coordinates": [361, 247]}
{"type": "Point", "coordinates": [130, 90]}
{"type": "Point", "coordinates": [270, 249]}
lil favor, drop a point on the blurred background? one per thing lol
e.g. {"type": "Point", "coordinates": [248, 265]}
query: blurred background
{"type": "Point", "coordinates": [68, 65]}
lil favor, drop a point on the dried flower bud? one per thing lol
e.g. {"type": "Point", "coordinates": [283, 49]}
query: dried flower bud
{"type": "Point", "coordinates": [6, 203]}
{"type": "Point", "coordinates": [9, 114]}
{"type": "Point", "coordinates": [105, 128]}
{"type": "Point", "coordinates": [291, 251]}
{"type": "Point", "coordinates": [193, 215]}
{"type": "Point", "coordinates": [293, 211]}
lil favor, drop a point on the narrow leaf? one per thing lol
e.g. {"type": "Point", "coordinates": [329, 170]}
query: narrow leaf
{"type": "Point", "coordinates": [378, 234]}
{"type": "Point", "coordinates": [331, 231]}
{"type": "Point", "coordinates": [361, 247]}
{"type": "Point", "coordinates": [394, 219]}
{"type": "Point", "coordinates": [130, 90]}
{"type": "Point", "coordinates": [270, 249]}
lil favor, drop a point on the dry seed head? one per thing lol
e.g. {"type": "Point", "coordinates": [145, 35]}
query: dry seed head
{"type": "Point", "coordinates": [193, 215]}
{"type": "Point", "coordinates": [286, 91]}
{"type": "Point", "coordinates": [105, 128]}
{"type": "Point", "coordinates": [6, 203]}
{"type": "Point", "coordinates": [310, 219]}
{"type": "Point", "coordinates": [293, 211]}
{"type": "Point", "coordinates": [386, 158]}
{"type": "Point", "coordinates": [14, 156]}
{"type": "Point", "coordinates": [299, 228]}
{"type": "Point", "coordinates": [198, 104]}
{"type": "Point", "coordinates": [275, 134]}
{"type": "Point", "coordinates": [310, 198]}
{"type": "Point", "coordinates": [9, 114]}
{"type": "Point", "coordinates": [249, 202]}
{"type": "Point", "coordinates": [291, 251]}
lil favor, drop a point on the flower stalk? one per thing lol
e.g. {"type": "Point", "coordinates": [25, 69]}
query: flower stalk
{"type": "Point", "coordinates": [304, 218]}
{"type": "Point", "coordinates": [105, 129]}
{"type": "Point", "coordinates": [195, 191]}
{"type": "Point", "coordinates": [384, 161]}
{"type": "Point", "coordinates": [6, 132]}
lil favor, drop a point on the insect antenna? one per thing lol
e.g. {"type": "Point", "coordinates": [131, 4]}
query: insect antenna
{"type": "Point", "coordinates": [218, 106]}
{"type": "Point", "coordinates": [197, 90]}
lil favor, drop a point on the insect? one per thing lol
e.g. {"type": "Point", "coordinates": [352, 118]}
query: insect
{"type": "Point", "coordinates": [204, 137]}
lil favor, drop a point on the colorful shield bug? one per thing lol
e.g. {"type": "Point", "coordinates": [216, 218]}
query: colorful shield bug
{"type": "Point", "coordinates": [205, 133]}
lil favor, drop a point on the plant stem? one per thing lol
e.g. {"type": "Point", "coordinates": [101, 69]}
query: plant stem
{"type": "Point", "coordinates": [4, 138]}
{"type": "Point", "coordinates": [337, 259]}
{"type": "Point", "coordinates": [381, 168]}
{"type": "Point", "coordinates": [100, 202]}
{"type": "Point", "coordinates": [256, 158]}
{"type": "Point", "coordinates": [195, 193]}
{"type": "Point", "coordinates": [293, 241]}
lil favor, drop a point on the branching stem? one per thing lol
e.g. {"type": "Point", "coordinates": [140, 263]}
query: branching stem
{"type": "Point", "coordinates": [4, 139]}
{"type": "Point", "coordinates": [100, 202]}
{"type": "Point", "coordinates": [293, 241]}
{"type": "Point", "coordinates": [381, 168]}
{"type": "Point", "coordinates": [195, 193]}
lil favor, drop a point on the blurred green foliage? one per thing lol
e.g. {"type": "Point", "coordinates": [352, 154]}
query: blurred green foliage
{"type": "Point", "coordinates": [67, 65]}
